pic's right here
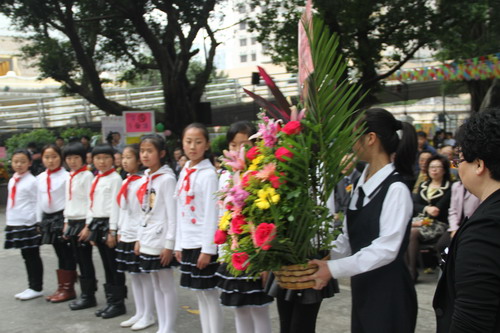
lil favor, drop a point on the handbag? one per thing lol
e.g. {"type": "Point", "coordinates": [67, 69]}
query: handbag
{"type": "Point", "coordinates": [430, 229]}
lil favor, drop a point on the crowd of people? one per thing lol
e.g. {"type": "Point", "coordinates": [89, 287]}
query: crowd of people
{"type": "Point", "coordinates": [147, 215]}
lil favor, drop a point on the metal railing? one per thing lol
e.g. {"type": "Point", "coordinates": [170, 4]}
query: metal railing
{"type": "Point", "coordinates": [58, 111]}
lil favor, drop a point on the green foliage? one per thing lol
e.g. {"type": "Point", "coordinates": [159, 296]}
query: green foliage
{"type": "Point", "coordinates": [40, 137]}
{"type": "Point", "coordinates": [77, 132]}
{"type": "Point", "coordinates": [219, 144]}
{"type": "Point", "coordinates": [373, 35]}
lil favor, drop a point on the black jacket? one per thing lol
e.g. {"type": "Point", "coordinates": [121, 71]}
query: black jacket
{"type": "Point", "coordinates": [467, 297]}
{"type": "Point", "coordinates": [441, 199]}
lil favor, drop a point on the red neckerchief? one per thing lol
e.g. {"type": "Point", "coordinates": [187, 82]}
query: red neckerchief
{"type": "Point", "coordinates": [49, 172]}
{"type": "Point", "coordinates": [124, 188]}
{"type": "Point", "coordinates": [141, 192]}
{"type": "Point", "coordinates": [186, 185]}
{"type": "Point", "coordinates": [16, 178]}
{"type": "Point", "coordinates": [94, 184]}
{"type": "Point", "coordinates": [71, 176]}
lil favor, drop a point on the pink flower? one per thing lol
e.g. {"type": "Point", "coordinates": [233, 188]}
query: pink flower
{"type": "Point", "coordinates": [235, 160]}
{"type": "Point", "coordinates": [269, 131]}
{"type": "Point", "coordinates": [236, 223]}
{"type": "Point", "coordinates": [253, 153]}
{"type": "Point", "coordinates": [220, 237]}
{"type": "Point", "coordinates": [282, 152]}
{"type": "Point", "coordinates": [240, 260]}
{"type": "Point", "coordinates": [236, 196]}
{"type": "Point", "coordinates": [246, 177]}
{"type": "Point", "coordinates": [264, 234]}
{"type": "Point", "coordinates": [292, 127]}
{"type": "Point", "coordinates": [267, 171]}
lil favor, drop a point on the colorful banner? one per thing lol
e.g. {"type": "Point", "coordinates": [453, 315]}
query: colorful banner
{"type": "Point", "coordinates": [479, 68]}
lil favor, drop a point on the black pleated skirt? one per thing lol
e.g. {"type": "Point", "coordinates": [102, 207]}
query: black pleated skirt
{"type": "Point", "coordinates": [52, 227]}
{"type": "Point", "coordinates": [194, 278]}
{"type": "Point", "coordinates": [22, 237]}
{"type": "Point", "coordinates": [99, 228]}
{"type": "Point", "coordinates": [151, 263]}
{"type": "Point", "coordinates": [240, 291]}
{"type": "Point", "coordinates": [127, 261]}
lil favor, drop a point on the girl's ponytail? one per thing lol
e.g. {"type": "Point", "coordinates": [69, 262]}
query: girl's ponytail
{"type": "Point", "coordinates": [406, 152]}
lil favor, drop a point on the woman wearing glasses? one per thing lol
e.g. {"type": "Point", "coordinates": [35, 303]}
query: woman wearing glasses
{"type": "Point", "coordinates": [430, 207]}
{"type": "Point", "coordinates": [467, 296]}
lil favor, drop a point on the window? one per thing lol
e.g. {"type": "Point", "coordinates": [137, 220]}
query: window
{"type": "Point", "coordinates": [243, 25]}
{"type": "Point", "coordinates": [254, 57]}
{"type": "Point", "coordinates": [254, 40]}
{"type": "Point", "coordinates": [243, 58]}
{"type": "Point", "coordinates": [243, 42]}
{"type": "Point", "coordinates": [241, 9]}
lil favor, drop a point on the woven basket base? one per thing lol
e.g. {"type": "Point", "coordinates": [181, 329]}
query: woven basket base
{"type": "Point", "coordinates": [288, 276]}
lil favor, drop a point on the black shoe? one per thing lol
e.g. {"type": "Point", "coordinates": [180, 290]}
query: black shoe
{"type": "Point", "coordinates": [114, 310]}
{"type": "Point", "coordinates": [99, 312]}
{"type": "Point", "coordinates": [109, 295]}
{"type": "Point", "coordinates": [84, 302]}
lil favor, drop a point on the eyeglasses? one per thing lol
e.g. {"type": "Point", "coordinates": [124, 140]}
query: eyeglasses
{"type": "Point", "coordinates": [435, 167]}
{"type": "Point", "coordinates": [456, 162]}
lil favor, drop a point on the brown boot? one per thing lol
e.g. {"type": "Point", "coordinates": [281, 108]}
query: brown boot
{"type": "Point", "coordinates": [59, 287]}
{"type": "Point", "coordinates": [67, 292]}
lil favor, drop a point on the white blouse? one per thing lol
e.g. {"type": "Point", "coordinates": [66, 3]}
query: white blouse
{"type": "Point", "coordinates": [78, 207]}
{"type": "Point", "coordinates": [105, 204]}
{"type": "Point", "coordinates": [24, 210]}
{"type": "Point", "coordinates": [396, 213]}
{"type": "Point", "coordinates": [57, 193]}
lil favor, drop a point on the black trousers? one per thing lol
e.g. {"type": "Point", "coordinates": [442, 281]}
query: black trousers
{"type": "Point", "coordinates": [66, 259]}
{"type": "Point", "coordinates": [34, 267]}
{"type": "Point", "coordinates": [296, 317]}
{"type": "Point", "coordinates": [82, 251]}
{"type": "Point", "coordinates": [108, 257]}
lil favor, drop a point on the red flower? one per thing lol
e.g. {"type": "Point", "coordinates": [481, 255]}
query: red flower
{"type": "Point", "coordinates": [275, 181]}
{"type": "Point", "coordinates": [281, 153]}
{"type": "Point", "coordinates": [246, 178]}
{"type": "Point", "coordinates": [253, 153]}
{"type": "Point", "coordinates": [240, 260]}
{"type": "Point", "coordinates": [236, 223]}
{"type": "Point", "coordinates": [264, 234]}
{"type": "Point", "coordinates": [292, 127]}
{"type": "Point", "coordinates": [220, 237]}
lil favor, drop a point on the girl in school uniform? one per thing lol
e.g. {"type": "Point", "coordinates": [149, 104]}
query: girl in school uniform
{"type": "Point", "coordinates": [21, 231]}
{"type": "Point", "coordinates": [104, 211]}
{"type": "Point", "coordinates": [197, 221]}
{"type": "Point", "coordinates": [128, 227]}
{"type": "Point", "coordinates": [77, 220]}
{"type": "Point", "coordinates": [157, 231]}
{"type": "Point", "coordinates": [376, 230]}
{"type": "Point", "coordinates": [50, 206]}
{"type": "Point", "coordinates": [246, 295]}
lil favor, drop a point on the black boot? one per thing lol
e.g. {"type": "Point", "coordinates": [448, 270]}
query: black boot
{"type": "Point", "coordinates": [107, 293]}
{"type": "Point", "coordinates": [117, 304]}
{"type": "Point", "coordinates": [87, 297]}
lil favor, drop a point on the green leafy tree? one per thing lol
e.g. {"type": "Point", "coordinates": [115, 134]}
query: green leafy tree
{"type": "Point", "coordinates": [74, 41]}
{"type": "Point", "coordinates": [77, 133]}
{"type": "Point", "coordinates": [376, 37]}
{"type": "Point", "coordinates": [472, 30]}
{"type": "Point", "coordinates": [40, 137]}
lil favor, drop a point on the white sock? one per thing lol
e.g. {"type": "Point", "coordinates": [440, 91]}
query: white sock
{"type": "Point", "coordinates": [148, 294]}
{"type": "Point", "coordinates": [210, 311]}
{"type": "Point", "coordinates": [138, 296]}
{"type": "Point", "coordinates": [243, 320]}
{"type": "Point", "coordinates": [261, 319]}
{"type": "Point", "coordinates": [165, 291]}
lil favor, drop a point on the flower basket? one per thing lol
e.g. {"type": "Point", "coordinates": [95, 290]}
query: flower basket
{"type": "Point", "coordinates": [288, 276]}
{"type": "Point", "coordinates": [277, 216]}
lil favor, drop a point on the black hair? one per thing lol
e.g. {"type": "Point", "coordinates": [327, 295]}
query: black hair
{"type": "Point", "coordinates": [75, 148]}
{"type": "Point", "coordinates": [85, 137]}
{"type": "Point", "coordinates": [24, 152]}
{"type": "Point", "coordinates": [135, 148]}
{"type": "Point", "coordinates": [104, 149]}
{"type": "Point", "coordinates": [446, 166]}
{"type": "Point", "coordinates": [243, 126]}
{"type": "Point", "coordinates": [32, 145]}
{"type": "Point", "coordinates": [59, 138]}
{"type": "Point", "coordinates": [160, 144]}
{"type": "Point", "coordinates": [479, 138]}
{"type": "Point", "coordinates": [425, 152]}
{"type": "Point", "coordinates": [422, 134]}
{"type": "Point", "coordinates": [178, 148]}
{"type": "Point", "coordinates": [54, 147]}
{"type": "Point", "coordinates": [204, 130]}
{"type": "Point", "coordinates": [383, 123]}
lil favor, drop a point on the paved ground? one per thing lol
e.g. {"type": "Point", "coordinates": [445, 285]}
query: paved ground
{"type": "Point", "coordinates": [39, 316]}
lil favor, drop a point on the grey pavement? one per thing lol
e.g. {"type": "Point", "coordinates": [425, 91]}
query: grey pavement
{"type": "Point", "coordinates": [40, 316]}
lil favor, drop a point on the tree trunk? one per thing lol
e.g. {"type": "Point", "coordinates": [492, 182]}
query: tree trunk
{"type": "Point", "coordinates": [492, 98]}
{"type": "Point", "coordinates": [477, 90]}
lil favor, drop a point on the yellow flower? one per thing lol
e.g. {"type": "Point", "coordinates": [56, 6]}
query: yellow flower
{"type": "Point", "coordinates": [224, 220]}
{"type": "Point", "coordinates": [267, 196]}
{"type": "Point", "coordinates": [255, 163]}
